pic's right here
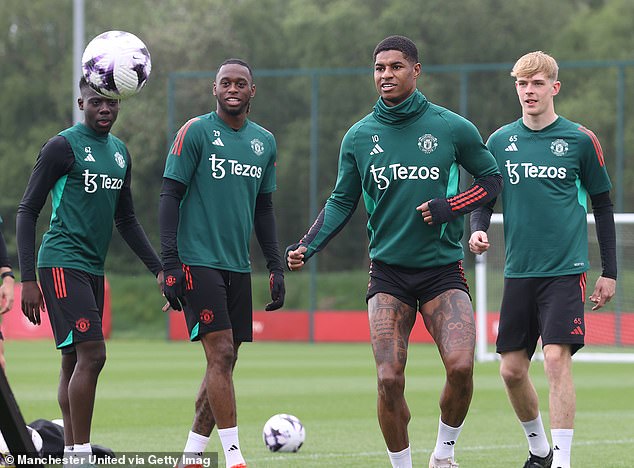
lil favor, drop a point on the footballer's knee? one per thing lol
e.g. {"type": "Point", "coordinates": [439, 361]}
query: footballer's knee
{"type": "Point", "coordinates": [391, 381]}
{"type": "Point", "coordinates": [513, 375]}
{"type": "Point", "coordinates": [460, 371]}
{"type": "Point", "coordinates": [220, 351]}
{"type": "Point", "coordinates": [91, 355]}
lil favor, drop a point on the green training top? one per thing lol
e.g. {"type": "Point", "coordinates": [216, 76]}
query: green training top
{"type": "Point", "coordinates": [397, 158]}
{"type": "Point", "coordinates": [224, 171]}
{"type": "Point", "coordinates": [84, 202]}
{"type": "Point", "coordinates": [547, 176]}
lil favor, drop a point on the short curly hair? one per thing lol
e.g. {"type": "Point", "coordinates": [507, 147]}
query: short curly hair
{"type": "Point", "coordinates": [400, 43]}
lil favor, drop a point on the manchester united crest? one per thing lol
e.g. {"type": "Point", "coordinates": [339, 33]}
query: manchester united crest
{"type": "Point", "coordinates": [119, 159]}
{"type": "Point", "coordinates": [206, 316]}
{"type": "Point", "coordinates": [559, 147]}
{"type": "Point", "coordinates": [82, 325]}
{"type": "Point", "coordinates": [257, 146]}
{"type": "Point", "coordinates": [427, 143]}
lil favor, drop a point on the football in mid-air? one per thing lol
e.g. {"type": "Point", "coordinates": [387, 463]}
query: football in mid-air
{"type": "Point", "coordinates": [116, 64]}
{"type": "Point", "coordinates": [283, 433]}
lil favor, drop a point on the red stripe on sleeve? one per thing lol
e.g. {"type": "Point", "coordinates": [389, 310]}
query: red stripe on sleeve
{"type": "Point", "coordinates": [597, 146]}
{"type": "Point", "coordinates": [177, 146]}
{"type": "Point", "coordinates": [472, 195]}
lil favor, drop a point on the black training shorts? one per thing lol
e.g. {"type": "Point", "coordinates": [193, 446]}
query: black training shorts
{"type": "Point", "coordinates": [218, 300]}
{"type": "Point", "coordinates": [74, 301]}
{"type": "Point", "coordinates": [548, 307]}
{"type": "Point", "coordinates": [415, 286]}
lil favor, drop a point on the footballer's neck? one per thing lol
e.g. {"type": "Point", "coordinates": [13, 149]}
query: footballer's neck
{"type": "Point", "coordinates": [235, 121]}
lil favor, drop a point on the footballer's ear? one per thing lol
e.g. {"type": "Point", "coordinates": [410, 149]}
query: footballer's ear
{"type": "Point", "coordinates": [80, 103]}
{"type": "Point", "coordinates": [252, 90]}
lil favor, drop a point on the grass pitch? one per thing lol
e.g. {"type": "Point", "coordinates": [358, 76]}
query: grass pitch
{"type": "Point", "coordinates": [146, 392]}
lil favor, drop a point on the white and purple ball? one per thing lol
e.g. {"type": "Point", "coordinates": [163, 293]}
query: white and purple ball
{"type": "Point", "coordinates": [116, 64]}
{"type": "Point", "coordinates": [283, 433]}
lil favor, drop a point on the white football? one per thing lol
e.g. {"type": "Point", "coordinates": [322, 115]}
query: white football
{"type": "Point", "coordinates": [116, 64]}
{"type": "Point", "coordinates": [283, 433]}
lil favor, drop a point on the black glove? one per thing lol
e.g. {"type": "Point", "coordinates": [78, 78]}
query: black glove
{"type": "Point", "coordinates": [278, 291]}
{"type": "Point", "coordinates": [441, 212]}
{"type": "Point", "coordinates": [174, 287]}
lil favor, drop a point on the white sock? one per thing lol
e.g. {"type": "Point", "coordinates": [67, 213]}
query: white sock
{"type": "Point", "coordinates": [196, 443]}
{"type": "Point", "coordinates": [68, 453]}
{"type": "Point", "coordinates": [562, 443]}
{"type": "Point", "coordinates": [194, 448]}
{"type": "Point", "coordinates": [231, 446]}
{"type": "Point", "coordinates": [536, 436]}
{"type": "Point", "coordinates": [402, 459]}
{"type": "Point", "coordinates": [82, 452]}
{"type": "Point", "coordinates": [446, 440]}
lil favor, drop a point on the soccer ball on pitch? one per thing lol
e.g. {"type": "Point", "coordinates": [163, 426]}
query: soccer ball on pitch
{"type": "Point", "coordinates": [36, 438]}
{"type": "Point", "coordinates": [116, 64]}
{"type": "Point", "coordinates": [283, 433]}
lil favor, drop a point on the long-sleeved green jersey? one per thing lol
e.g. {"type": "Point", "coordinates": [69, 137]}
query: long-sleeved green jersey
{"type": "Point", "coordinates": [397, 158]}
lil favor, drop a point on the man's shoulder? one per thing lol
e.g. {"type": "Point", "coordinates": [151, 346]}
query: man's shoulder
{"type": "Point", "coordinates": [577, 130]}
{"type": "Point", "coordinates": [197, 122]}
{"type": "Point", "coordinates": [443, 116]}
{"type": "Point", "coordinates": [257, 128]}
{"type": "Point", "coordinates": [114, 139]}
{"type": "Point", "coordinates": [362, 125]}
{"type": "Point", "coordinates": [504, 131]}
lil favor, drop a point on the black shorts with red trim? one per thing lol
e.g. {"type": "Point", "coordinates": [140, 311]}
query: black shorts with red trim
{"type": "Point", "coordinates": [550, 308]}
{"type": "Point", "coordinates": [218, 300]}
{"type": "Point", "coordinates": [415, 286]}
{"type": "Point", "coordinates": [74, 302]}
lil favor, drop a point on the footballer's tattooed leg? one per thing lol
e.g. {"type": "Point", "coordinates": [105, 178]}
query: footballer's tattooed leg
{"type": "Point", "coordinates": [450, 321]}
{"type": "Point", "coordinates": [391, 322]}
{"type": "Point", "coordinates": [203, 417]}
{"type": "Point", "coordinates": [204, 421]}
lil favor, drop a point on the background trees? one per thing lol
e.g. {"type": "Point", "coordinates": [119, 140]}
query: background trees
{"type": "Point", "coordinates": [196, 35]}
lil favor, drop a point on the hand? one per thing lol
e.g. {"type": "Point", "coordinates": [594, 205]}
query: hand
{"type": "Point", "coordinates": [425, 212]}
{"type": "Point", "coordinates": [295, 258]}
{"type": "Point", "coordinates": [603, 292]}
{"type": "Point", "coordinates": [436, 211]}
{"type": "Point", "coordinates": [32, 301]}
{"type": "Point", "coordinates": [479, 242]}
{"type": "Point", "coordinates": [174, 287]}
{"type": "Point", "coordinates": [278, 291]}
{"type": "Point", "coordinates": [6, 294]}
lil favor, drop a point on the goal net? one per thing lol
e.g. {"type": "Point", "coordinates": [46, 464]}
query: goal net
{"type": "Point", "coordinates": [609, 331]}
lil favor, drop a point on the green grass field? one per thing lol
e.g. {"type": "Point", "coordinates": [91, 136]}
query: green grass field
{"type": "Point", "coordinates": [146, 391]}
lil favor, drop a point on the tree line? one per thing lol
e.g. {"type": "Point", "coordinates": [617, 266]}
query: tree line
{"type": "Point", "coordinates": [36, 93]}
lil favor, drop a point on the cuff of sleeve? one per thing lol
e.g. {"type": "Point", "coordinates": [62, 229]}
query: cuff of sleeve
{"type": "Point", "coordinates": [7, 274]}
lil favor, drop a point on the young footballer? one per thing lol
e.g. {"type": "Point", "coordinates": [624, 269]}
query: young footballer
{"type": "Point", "coordinates": [404, 159]}
{"type": "Point", "coordinates": [217, 188]}
{"type": "Point", "coordinates": [550, 165]}
{"type": "Point", "coordinates": [87, 172]}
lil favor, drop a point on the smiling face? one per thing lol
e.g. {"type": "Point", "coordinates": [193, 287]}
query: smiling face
{"type": "Point", "coordinates": [233, 89]}
{"type": "Point", "coordinates": [394, 76]}
{"type": "Point", "coordinates": [100, 113]}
